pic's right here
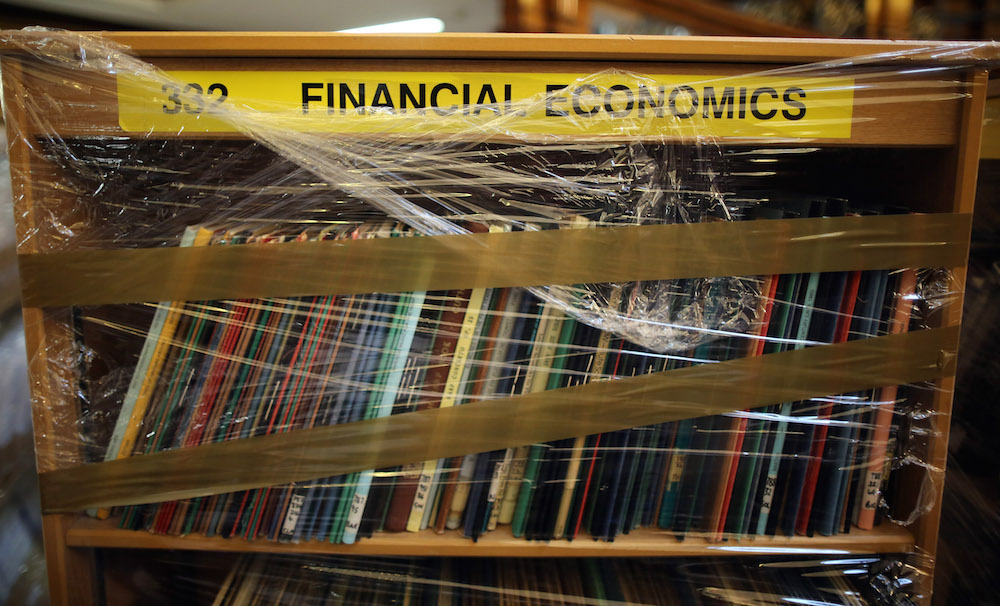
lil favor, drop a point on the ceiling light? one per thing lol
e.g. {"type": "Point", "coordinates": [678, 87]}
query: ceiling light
{"type": "Point", "coordinates": [427, 25]}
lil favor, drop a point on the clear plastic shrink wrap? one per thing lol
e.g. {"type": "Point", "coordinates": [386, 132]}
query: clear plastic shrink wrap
{"type": "Point", "coordinates": [494, 310]}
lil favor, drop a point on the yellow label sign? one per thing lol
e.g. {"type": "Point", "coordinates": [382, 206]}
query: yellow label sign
{"type": "Point", "coordinates": [484, 104]}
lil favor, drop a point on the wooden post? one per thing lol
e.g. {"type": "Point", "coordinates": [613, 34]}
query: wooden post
{"type": "Point", "coordinates": [48, 344]}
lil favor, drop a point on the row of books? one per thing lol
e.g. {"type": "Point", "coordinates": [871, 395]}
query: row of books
{"type": "Point", "coordinates": [212, 371]}
{"type": "Point", "coordinates": [261, 580]}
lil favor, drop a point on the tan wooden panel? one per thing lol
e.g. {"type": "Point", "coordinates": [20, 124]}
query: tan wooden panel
{"type": "Point", "coordinates": [72, 572]}
{"type": "Point", "coordinates": [530, 46]}
{"type": "Point", "coordinates": [48, 342]}
{"type": "Point", "coordinates": [48, 337]}
{"type": "Point", "coordinates": [887, 538]}
{"type": "Point", "coordinates": [965, 170]}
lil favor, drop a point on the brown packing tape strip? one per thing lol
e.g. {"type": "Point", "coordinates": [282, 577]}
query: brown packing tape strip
{"type": "Point", "coordinates": [599, 407]}
{"type": "Point", "coordinates": [562, 256]}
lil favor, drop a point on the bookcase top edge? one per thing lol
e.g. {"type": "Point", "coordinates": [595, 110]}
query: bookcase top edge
{"type": "Point", "coordinates": [535, 47]}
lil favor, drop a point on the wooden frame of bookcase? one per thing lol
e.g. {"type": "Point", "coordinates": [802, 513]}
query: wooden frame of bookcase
{"type": "Point", "coordinates": [70, 540]}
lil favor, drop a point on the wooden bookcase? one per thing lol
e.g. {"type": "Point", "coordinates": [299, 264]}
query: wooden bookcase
{"type": "Point", "coordinates": [944, 133]}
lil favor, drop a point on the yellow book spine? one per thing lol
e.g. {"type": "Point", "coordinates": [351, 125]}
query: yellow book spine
{"type": "Point", "coordinates": [448, 399]}
{"type": "Point", "coordinates": [535, 380]}
{"type": "Point", "coordinates": [596, 371]}
{"type": "Point", "coordinates": [164, 341]}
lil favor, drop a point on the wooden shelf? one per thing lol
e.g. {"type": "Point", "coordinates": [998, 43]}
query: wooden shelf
{"type": "Point", "coordinates": [900, 98]}
{"type": "Point", "coordinates": [888, 538]}
{"type": "Point", "coordinates": [532, 47]}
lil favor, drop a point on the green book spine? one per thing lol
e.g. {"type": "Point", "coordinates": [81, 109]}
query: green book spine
{"type": "Point", "coordinates": [593, 580]}
{"type": "Point", "coordinates": [757, 429]}
{"type": "Point", "coordinates": [529, 482]}
{"type": "Point", "coordinates": [390, 373]}
{"type": "Point", "coordinates": [627, 495]}
{"type": "Point", "coordinates": [786, 409]}
{"type": "Point", "coordinates": [588, 518]}
{"type": "Point", "coordinates": [672, 493]}
{"type": "Point", "coordinates": [646, 478]}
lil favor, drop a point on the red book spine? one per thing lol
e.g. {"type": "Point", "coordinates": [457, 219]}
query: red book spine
{"type": "Point", "coordinates": [451, 483]}
{"type": "Point", "coordinates": [735, 444]}
{"type": "Point", "coordinates": [819, 439]}
{"type": "Point", "coordinates": [593, 461]}
{"type": "Point", "coordinates": [437, 375]}
{"type": "Point", "coordinates": [435, 378]}
{"type": "Point", "coordinates": [166, 511]}
{"type": "Point", "coordinates": [261, 495]}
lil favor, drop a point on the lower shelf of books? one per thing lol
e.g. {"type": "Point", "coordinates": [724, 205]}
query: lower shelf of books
{"type": "Point", "coordinates": [886, 538]}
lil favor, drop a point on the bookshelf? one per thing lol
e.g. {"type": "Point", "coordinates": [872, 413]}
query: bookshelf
{"type": "Point", "coordinates": [886, 538]}
{"type": "Point", "coordinates": [945, 143]}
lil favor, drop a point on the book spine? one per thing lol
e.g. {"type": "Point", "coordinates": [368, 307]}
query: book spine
{"type": "Point", "coordinates": [498, 486]}
{"type": "Point", "coordinates": [552, 471]}
{"type": "Point", "coordinates": [343, 410]}
{"type": "Point", "coordinates": [412, 305]}
{"type": "Point", "coordinates": [511, 326]}
{"type": "Point", "coordinates": [549, 332]}
{"type": "Point", "coordinates": [848, 467]}
{"type": "Point", "coordinates": [595, 372]}
{"type": "Point", "coordinates": [151, 359]}
{"type": "Point", "coordinates": [282, 407]}
{"type": "Point", "coordinates": [834, 496]}
{"type": "Point", "coordinates": [841, 333]}
{"type": "Point", "coordinates": [823, 329]}
{"type": "Point", "coordinates": [431, 469]}
{"type": "Point", "coordinates": [667, 436]}
{"type": "Point", "coordinates": [475, 504]}
{"type": "Point", "coordinates": [357, 494]}
{"type": "Point", "coordinates": [738, 426]}
{"type": "Point", "coordinates": [783, 322]}
{"type": "Point", "coordinates": [303, 391]}
{"type": "Point", "coordinates": [169, 516]}
{"type": "Point", "coordinates": [305, 501]}
{"type": "Point", "coordinates": [781, 430]}
{"type": "Point", "coordinates": [367, 400]}
{"type": "Point", "coordinates": [520, 457]}
{"type": "Point", "coordinates": [435, 378]}
{"type": "Point", "coordinates": [466, 473]}
{"type": "Point", "coordinates": [473, 380]}
{"type": "Point", "coordinates": [262, 397]}
{"type": "Point", "coordinates": [883, 416]}
{"type": "Point", "coordinates": [675, 474]}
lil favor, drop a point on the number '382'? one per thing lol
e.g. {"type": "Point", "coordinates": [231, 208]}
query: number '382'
{"type": "Point", "coordinates": [194, 98]}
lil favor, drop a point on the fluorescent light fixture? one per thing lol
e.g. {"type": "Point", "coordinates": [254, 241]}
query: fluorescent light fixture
{"type": "Point", "coordinates": [427, 25]}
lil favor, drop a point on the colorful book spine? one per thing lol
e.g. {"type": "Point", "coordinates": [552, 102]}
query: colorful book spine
{"type": "Point", "coordinates": [432, 469]}
{"type": "Point", "coordinates": [154, 352]}
{"type": "Point", "coordinates": [553, 324]}
{"type": "Point", "coordinates": [875, 464]}
{"type": "Point", "coordinates": [400, 349]}
{"type": "Point", "coordinates": [449, 327]}
{"type": "Point", "coordinates": [785, 413]}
